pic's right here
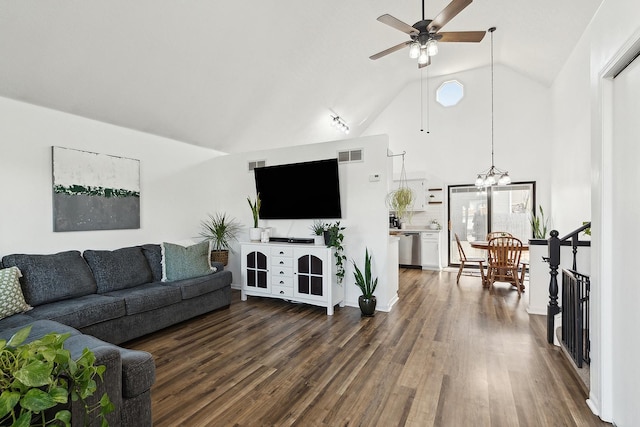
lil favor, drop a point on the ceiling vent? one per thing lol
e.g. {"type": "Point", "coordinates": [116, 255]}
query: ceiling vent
{"type": "Point", "coordinates": [256, 164]}
{"type": "Point", "coordinates": [350, 156]}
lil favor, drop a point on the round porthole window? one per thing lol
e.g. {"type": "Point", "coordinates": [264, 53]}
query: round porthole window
{"type": "Point", "coordinates": [450, 93]}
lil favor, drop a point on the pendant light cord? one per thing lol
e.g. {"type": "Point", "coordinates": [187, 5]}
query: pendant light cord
{"type": "Point", "coordinates": [421, 102]}
{"type": "Point", "coordinates": [491, 30]}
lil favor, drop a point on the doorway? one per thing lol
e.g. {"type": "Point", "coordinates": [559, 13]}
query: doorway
{"type": "Point", "coordinates": [475, 212]}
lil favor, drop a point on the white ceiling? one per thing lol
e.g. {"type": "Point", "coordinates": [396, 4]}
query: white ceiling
{"type": "Point", "coordinates": [239, 76]}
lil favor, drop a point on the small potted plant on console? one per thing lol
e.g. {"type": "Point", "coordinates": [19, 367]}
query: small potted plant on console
{"type": "Point", "coordinates": [317, 229]}
{"type": "Point", "coordinates": [333, 238]}
{"type": "Point", "coordinates": [367, 284]}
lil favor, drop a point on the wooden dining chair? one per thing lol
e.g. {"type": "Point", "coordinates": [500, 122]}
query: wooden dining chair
{"type": "Point", "coordinates": [504, 261]}
{"type": "Point", "coordinates": [493, 234]}
{"type": "Point", "coordinates": [465, 260]}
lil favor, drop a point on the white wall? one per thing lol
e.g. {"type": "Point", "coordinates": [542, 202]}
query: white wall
{"type": "Point", "coordinates": [458, 145]}
{"type": "Point", "coordinates": [363, 204]}
{"type": "Point", "coordinates": [571, 153]}
{"type": "Point", "coordinates": [173, 195]}
{"type": "Point", "coordinates": [582, 101]}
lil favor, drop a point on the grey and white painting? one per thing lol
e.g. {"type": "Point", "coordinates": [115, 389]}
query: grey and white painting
{"type": "Point", "coordinates": [94, 191]}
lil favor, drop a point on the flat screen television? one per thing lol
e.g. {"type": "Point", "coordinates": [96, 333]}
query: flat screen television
{"type": "Point", "coordinates": [305, 190]}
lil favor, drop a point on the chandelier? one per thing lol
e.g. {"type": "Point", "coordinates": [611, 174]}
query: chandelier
{"type": "Point", "coordinates": [493, 175]}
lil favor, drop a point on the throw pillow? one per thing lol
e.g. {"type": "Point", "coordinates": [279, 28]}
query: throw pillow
{"type": "Point", "coordinates": [11, 298]}
{"type": "Point", "coordinates": [180, 262]}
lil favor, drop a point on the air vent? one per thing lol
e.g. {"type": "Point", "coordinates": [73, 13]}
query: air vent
{"type": "Point", "coordinates": [350, 156]}
{"type": "Point", "coordinates": [256, 164]}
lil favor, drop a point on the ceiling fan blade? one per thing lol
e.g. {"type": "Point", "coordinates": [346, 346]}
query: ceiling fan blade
{"type": "Point", "coordinates": [424, 65]}
{"type": "Point", "coordinates": [390, 50]}
{"type": "Point", "coordinates": [462, 36]}
{"type": "Point", "coordinates": [447, 14]}
{"type": "Point", "coordinates": [397, 24]}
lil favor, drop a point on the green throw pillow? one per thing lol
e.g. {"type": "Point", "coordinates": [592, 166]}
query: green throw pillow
{"type": "Point", "coordinates": [179, 262]}
{"type": "Point", "coordinates": [11, 298]}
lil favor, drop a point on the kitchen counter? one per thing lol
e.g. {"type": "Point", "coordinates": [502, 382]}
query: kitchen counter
{"type": "Point", "coordinates": [412, 230]}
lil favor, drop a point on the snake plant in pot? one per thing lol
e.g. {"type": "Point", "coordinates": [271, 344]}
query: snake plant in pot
{"type": "Point", "coordinates": [255, 231]}
{"type": "Point", "coordinates": [367, 284]}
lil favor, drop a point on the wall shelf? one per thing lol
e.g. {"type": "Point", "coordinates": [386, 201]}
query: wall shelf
{"type": "Point", "coordinates": [434, 196]}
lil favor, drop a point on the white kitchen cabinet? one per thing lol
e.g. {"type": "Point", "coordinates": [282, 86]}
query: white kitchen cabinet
{"type": "Point", "coordinates": [293, 272]}
{"type": "Point", "coordinates": [430, 250]}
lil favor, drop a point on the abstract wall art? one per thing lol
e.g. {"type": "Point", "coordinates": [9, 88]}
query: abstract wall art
{"type": "Point", "coordinates": [94, 191]}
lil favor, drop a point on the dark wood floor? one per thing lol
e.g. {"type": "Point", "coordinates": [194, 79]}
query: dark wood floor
{"type": "Point", "coordinates": [446, 355]}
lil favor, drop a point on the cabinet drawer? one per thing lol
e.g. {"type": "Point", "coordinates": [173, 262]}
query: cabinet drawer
{"type": "Point", "coordinates": [283, 252]}
{"type": "Point", "coordinates": [282, 291]}
{"type": "Point", "coordinates": [278, 261]}
{"type": "Point", "coordinates": [282, 281]}
{"type": "Point", "coordinates": [281, 272]}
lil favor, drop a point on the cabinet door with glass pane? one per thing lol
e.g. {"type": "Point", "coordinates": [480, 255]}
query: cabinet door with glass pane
{"type": "Point", "coordinates": [311, 274]}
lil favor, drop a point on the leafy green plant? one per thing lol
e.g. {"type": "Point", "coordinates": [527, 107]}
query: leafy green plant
{"type": "Point", "coordinates": [255, 209]}
{"type": "Point", "coordinates": [318, 228]}
{"type": "Point", "coordinates": [335, 238]}
{"type": "Point", "coordinates": [539, 225]}
{"type": "Point", "coordinates": [587, 231]}
{"type": "Point", "coordinates": [37, 376]}
{"type": "Point", "coordinates": [221, 230]}
{"type": "Point", "coordinates": [400, 200]}
{"type": "Point", "coordinates": [365, 282]}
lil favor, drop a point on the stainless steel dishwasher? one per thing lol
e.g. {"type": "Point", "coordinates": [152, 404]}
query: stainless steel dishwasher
{"type": "Point", "coordinates": [409, 249]}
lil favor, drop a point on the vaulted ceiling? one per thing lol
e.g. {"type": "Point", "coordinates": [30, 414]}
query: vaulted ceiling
{"type": "Point", "coordinates": [238, 76]}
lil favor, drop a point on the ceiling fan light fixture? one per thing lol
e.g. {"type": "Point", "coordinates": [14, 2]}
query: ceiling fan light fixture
{"type": "Point", "coordinates": [414, 50]}
{"type": "Point", "coordinates": [423, 58]}
{"type": "Point", "coordinates": [432, 47]}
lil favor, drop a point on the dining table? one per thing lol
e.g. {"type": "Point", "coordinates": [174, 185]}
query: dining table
{"type": "Point", "coordinates": [484, 245]}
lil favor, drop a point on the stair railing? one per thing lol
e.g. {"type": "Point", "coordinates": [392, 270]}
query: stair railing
{"type": "Point", "coordinates": [554, 244]}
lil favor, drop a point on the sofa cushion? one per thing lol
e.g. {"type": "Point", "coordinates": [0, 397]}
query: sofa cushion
{"type": "Point", "coordinates": [180, 262]}
{"type": "Point", "coordinates": [147, 297]}
{"type": "Point", "coordinates": [39, 329]}
{"type": "Point", "coordinates": [15, 321]}
{"type": "Point", "coordinates": [11, 298]}
{"type": "Point", "coordinates": [82, 311]}
{"type": "Point", "coordinates": [153, 253]}
{"type": "Point", "coordinates": [55, 277]}
{"type": "Point", "coordinates": [196, 286]}
{"type": "Point", "coordinates": [119, 269]}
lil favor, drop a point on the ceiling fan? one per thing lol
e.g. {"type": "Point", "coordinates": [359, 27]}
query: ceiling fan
{"type": "Point", "coordinates": [426, 34]}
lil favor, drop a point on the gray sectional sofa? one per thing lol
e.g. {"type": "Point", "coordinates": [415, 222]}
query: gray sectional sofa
{"type": "Point", "coordinates": [105, 298]}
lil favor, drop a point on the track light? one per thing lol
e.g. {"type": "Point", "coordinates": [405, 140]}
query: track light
{"type": "Point", "coordinates": [339, 123]}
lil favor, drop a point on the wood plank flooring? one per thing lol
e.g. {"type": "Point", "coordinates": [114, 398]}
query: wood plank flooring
{"type": "Point", "coordinates": [446, 355]}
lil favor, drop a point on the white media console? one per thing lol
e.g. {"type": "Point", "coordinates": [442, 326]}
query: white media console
{"type": "Point", "coordinates": [298, 272]}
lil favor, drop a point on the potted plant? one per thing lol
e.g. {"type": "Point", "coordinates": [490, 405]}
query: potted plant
{"type": "Point", "coordinates": [40, 375]}
{"type": "Point", "coordinates": [400, 201]}
{"type": "Point", "coordinates": [317, 229]}
{"type": "Point", "coordinates": [255, 231]}
{"type": "Point", "coordinates": [539, 225]}
{"type": "Point", "coordinates": [367, 284]}
{"type": "Point", "coordinates": [221, 231]}
{"type": "Point", "coordinates": [333, 237]}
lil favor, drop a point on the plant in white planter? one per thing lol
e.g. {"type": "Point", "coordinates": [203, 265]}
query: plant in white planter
{"type": "Point", "coordinates": [255, 232]}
